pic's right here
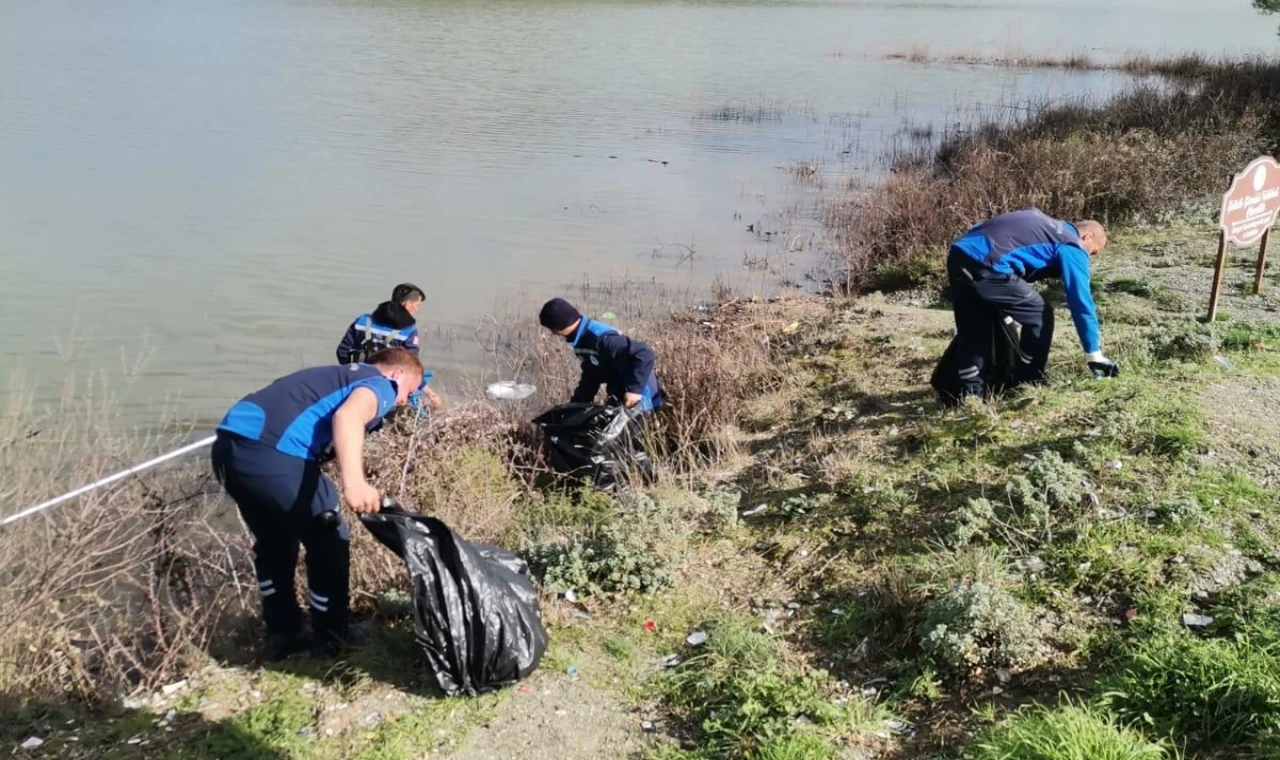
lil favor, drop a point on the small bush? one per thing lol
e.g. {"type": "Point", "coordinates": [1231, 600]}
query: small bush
{"type": "Point", "coordinates": [1180, 511]}
{"type": "Point", "coordinates": [1068, 733]}
{"type": "Point", "coordinates": [1208, 693]}
{"type": "Point", "coordinates": [747, 702]}
{"type": "Point", "coordinates": [634, 551]}
{"type": "Point", "coordinates": [1051, 484]}
{"type": "Point", "coordinates": [971, 521]}
{"type": "Point", "coordinates": [1179, 341]}
{"type": "Point", "coordinates": [982, 626]}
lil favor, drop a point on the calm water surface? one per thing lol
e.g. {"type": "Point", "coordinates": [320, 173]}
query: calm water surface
{"type": "Point", "coordinates": [211, 189]}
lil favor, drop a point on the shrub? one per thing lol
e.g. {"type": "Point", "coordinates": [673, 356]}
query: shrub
{"type": "Point", "coordinates": [1208, 693]}
{"type": "Point", "coordinates": [1180, 511]}
{"type": "Point", "coordinates": [983, 626]}
{"type": "Point", "coordinates": [1050, 483]}
{"type": "Point", "coordinates": [632, 551]}
{"type": "Point", "coordinates": [971, 521]}
{"type": "Point", "coordinates": [1067, 733]}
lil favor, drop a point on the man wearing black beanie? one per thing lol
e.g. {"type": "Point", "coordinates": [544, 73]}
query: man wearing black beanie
{"type": "Point", "coordinates": [623, 365]}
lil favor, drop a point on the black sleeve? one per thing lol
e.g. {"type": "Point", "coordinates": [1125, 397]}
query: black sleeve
{"type": "Point", "coordinates": [587, 389]}
{"type": "Point", "coordinates": [350, 342]}
{"type": "Point", "coordinates": [632, 354]}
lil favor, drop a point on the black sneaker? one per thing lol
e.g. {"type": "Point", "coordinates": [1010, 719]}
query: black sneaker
{"type": "Point", "coordinates": [280, 646]}
{"type": "Point", "coordinates": [330, 647]}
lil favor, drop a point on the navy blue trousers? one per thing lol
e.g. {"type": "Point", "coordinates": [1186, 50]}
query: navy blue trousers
{"type": "Point", "coordinates": [1008, 295]}
{"type": "Point", "coordinates": [286, 502]}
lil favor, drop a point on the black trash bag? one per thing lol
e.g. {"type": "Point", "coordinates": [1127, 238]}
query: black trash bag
{"type": "Point", "coordinates": [596, 443]}
{"type": "Point", "coordinates": [1003, 356]}
{"type": "Point", "coordinates": [475, 610]}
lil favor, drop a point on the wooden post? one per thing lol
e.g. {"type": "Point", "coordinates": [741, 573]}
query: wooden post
{"type": "Point", "coordinates": [1217, 275]}
{"type": "Point", "coordinates": [1262, 263]}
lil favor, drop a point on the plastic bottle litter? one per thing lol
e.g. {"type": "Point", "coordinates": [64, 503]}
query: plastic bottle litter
{"type": "Point", "coordinates": [1196, 621]}
{"type": "Point", "coordinates": [696, 639]}
{"type": "Point", "coordinates": [510, 390]}
{"type": "Point", "coordinates": [755, 511]}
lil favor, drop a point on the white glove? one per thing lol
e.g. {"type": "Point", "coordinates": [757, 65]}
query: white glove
{"type": "Point", "coordinates": [1101, 366]}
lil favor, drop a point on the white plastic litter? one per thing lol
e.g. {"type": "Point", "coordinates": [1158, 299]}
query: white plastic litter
{"type": "Point", "coordinates": [32, 743]}
{"type": "Point", "coordinates": [510, 390]}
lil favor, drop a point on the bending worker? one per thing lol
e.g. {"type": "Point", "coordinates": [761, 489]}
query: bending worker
{"type": "Point", "coordinates": [623, 365]}
{"type": "Point", "coordinates": [267, 456]}
{"type": "Point", "coordinates": [991, 267]}
{"type": "Point", "coordinates": [392, 325]}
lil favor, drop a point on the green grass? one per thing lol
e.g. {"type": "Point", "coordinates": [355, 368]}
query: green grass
{"type": "Point", "coordinates": [1207, 693]}
{"type": "Point", "coordinates": [743, 699]}
{"type": "Point", "coordinates": [1070, 732]}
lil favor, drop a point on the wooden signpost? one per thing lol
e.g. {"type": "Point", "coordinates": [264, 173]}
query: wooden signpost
{"type": "Point", "coordinates": [1249, 210]}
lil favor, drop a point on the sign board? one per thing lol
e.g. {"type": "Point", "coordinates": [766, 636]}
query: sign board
{"type": "Point", "coordinates": [1249, 209]}
{"type": "Point", "coordinates": [1249, 206]}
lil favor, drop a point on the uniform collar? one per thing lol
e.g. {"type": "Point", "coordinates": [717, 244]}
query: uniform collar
{"type": "Point", "coordinates": [582, 329]}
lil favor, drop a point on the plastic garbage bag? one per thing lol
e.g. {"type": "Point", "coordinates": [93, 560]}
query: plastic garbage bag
{"type": "Point", "coordinates": [1000, 366]}
{"type": "Point", "coordinates": [597, 443]}
{"type": "Point", "coordinates": [475, 610]}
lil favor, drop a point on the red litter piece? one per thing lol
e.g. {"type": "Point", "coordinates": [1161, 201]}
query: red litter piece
{"type": "Point", "coordinates": [1130, 613]}
{"type": "Point", "coordinates": [650, 626]}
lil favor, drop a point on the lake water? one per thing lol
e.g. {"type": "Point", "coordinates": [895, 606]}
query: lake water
{"type": "Point", "coordinates": [200, 194]}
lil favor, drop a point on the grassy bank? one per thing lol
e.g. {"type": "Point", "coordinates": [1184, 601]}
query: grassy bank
{"type": "Point", "coordinates": [999, 581]}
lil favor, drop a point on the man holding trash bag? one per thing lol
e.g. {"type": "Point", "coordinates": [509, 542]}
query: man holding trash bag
{"type": "Point", "coordinates": [267, 456]}
{"type": "Point", "coordinates": [623, 365]}
{"type": "Point", "coordinates": [990, 268]}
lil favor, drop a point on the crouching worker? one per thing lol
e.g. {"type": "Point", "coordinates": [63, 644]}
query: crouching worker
{"type": "Point", "coordinates": [267, 457]}
{"type": "Point", "coordinates": [991, 267]}
{"type": "Point", "coordinates": [623, 365]}
{"type": "Point", "coordinates": [392, 325]}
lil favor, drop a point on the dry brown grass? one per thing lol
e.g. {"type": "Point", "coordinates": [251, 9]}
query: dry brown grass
{"type": "Point", "coordinates": [123, 588]}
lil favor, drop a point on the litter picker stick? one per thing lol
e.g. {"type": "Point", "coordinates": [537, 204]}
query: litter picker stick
{"type": "Point", "coordinates": [108, 480]}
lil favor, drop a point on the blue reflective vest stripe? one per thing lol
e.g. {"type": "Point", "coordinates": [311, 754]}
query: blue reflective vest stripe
{"type": "Point", "coordinates": [380, 336]}
{"type": "Point", "coordinates": [294, 414]}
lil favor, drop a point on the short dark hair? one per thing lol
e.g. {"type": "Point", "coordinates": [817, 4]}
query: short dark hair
{"type": "Point", "coordinates": [396, 358]}
{"type": "Point", "coordinates": [407, 292]}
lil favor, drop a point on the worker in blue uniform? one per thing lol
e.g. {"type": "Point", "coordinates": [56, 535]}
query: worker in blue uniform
{"type": "Point", "coordinates": [623, 365]}
{"type": "Point", "coordinates": [991, 267]}
{"type": "Point", "coordinates": [392, 325]}
{"type": "Point", "coordinates": [267, 456]}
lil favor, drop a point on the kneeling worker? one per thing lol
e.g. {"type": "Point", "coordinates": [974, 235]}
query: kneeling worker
{"type": "Point", "coordinates": [267, 457]}
{"type": "Point", "coordinates": [623, 365]}
{"type": "Point", "coordinates": [392, 325]}
{"type": "Point", "coordinates": [991, 266]}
